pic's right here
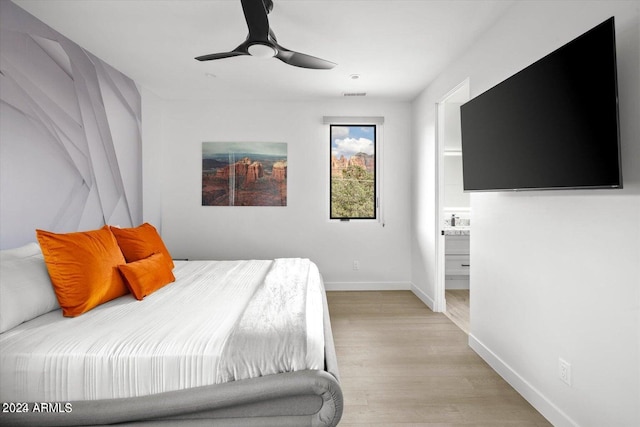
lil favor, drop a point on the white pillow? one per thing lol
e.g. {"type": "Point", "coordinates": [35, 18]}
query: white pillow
{"type": "Point", "coordinates": [28, 250]}
{"type": "Point", "coordinates": [25, 287]}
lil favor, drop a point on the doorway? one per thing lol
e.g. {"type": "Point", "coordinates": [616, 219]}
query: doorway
{"type": "Point", "coordinates": [453, 213]}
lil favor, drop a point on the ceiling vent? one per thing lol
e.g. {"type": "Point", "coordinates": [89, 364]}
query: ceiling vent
{"type": "Point", "coordinates": [354, 94]}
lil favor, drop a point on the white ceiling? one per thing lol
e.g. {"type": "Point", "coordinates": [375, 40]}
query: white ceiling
{"type": "Point", "coordinates": [396, 46]}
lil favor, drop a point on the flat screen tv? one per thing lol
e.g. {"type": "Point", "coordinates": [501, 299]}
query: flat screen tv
{"type": "Point", "coordinates": [553, 125]}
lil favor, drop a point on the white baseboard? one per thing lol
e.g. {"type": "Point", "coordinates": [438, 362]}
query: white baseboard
{"type": "Point", "coordinates": [367, 286]}
{"type": "Point", "coordinates": [423, 297]}
{"type": "Point", "coordinates": [380, 286]}
{"type": "Point", "coordinates": [532, 395]}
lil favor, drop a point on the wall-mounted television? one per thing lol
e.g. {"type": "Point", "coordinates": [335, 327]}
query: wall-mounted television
{"type": "Point", "coordinates": [553, 125]}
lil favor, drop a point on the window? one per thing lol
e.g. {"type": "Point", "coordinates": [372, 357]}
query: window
{"type": "Point", "coordinates": [353, 166]}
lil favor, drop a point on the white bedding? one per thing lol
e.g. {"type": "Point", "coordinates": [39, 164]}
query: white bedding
{"type": "Point", "coordinates": [171, 340]}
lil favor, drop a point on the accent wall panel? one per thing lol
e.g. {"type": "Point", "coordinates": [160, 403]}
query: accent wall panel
{"type": "Point", "coordinates": [70, 139]}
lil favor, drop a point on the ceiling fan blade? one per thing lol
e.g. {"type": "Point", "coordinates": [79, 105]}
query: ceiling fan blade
{"type": "Point", "coordinates": [239, 51]}
{"type": "Point", "coordinates": [220, 55]}
{"type": "Point", "coordinates": [303, 60]}
{"type": "Point", "coordinates": [255, 13]}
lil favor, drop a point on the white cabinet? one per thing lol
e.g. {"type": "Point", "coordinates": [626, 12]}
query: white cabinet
{"type": "Point", "coordinates": [456, 265]}
{"type": "Point", "coordinates": [456, 260]}
{"type": "Point", "coordinates": [457, 244]}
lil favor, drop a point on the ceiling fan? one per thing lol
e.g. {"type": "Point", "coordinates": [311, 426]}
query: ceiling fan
{"type": "Point", "coordinates": [261, 41]}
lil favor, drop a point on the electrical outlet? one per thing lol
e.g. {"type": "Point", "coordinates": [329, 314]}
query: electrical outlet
{"type": "Point", "coordinates": [564, 371]}
{"type": "Point", "coordinates": [356, 265]}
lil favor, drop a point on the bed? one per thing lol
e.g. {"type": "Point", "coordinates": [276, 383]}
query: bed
{"type": "Point", "coordinates": [228, 343]}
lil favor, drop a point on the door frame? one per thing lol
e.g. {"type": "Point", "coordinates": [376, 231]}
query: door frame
{"type": "Point", "coordinates": [460, 90]}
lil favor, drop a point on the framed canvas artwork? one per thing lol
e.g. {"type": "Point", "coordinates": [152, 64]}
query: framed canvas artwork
{"type": "Point", "coordinates": [244, 174]}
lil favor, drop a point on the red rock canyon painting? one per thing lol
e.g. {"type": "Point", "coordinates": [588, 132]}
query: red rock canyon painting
{"type": "Point", "coordinates": [244, 174]}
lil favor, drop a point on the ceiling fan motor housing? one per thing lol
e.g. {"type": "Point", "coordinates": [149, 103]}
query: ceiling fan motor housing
{"type": "Point", "coordinates": [262, 50]}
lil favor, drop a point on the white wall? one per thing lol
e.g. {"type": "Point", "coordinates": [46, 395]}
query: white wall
{"type": "Point", "coordinates": [302, 228]}
{"type": "Point", "coordinates": [152, 135]}
{"type": "Point", "coordinates": [554, 274]}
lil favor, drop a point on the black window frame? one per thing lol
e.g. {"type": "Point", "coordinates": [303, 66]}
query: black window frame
{"type": "Point", "coordinates": [375, 200]}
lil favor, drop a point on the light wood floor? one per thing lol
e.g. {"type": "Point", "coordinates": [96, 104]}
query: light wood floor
{"type": "Point", "coordinates": [403, 365]}
{"type": "Point", "coordinates": [458, 307]}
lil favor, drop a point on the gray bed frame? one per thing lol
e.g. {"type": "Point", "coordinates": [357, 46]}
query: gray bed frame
{"type": "Point", "coordinates": [294, 399]}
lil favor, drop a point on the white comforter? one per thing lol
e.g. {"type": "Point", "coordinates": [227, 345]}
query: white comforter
{"type": "Point", "coordinates": [179, 337]}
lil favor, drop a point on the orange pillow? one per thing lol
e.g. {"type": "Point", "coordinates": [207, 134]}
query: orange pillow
{"type": "Point", "coordinates": [147, 275]}
{"type": "Point", "coordinates": [83, 268]}
{"type": "Point", "coordinates": [141, 242]}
